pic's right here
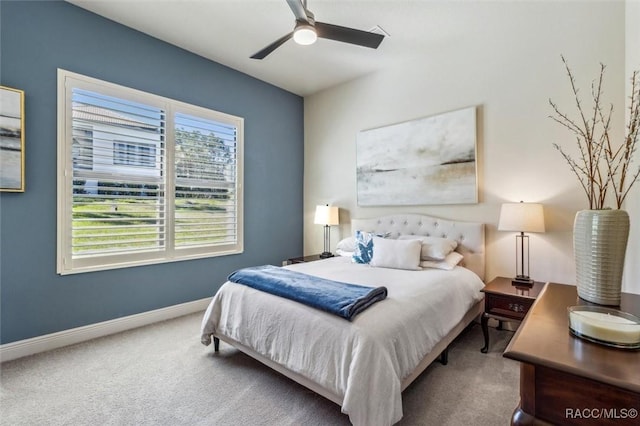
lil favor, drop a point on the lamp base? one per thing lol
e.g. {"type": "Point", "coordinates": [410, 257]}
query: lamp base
{"type": "Point", "coordinates": [522, 281]}
{"type": "Point", "coordinates": [325, 254]}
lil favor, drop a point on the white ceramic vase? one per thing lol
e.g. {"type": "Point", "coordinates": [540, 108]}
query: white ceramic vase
{"type": "Point", "coordinates": [599, 247]}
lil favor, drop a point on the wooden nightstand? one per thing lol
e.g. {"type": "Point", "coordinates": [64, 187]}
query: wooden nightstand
{"type": "Point", "coordinates": [303, 259]}
{"type": "Point", "coordinates": [506, 302]}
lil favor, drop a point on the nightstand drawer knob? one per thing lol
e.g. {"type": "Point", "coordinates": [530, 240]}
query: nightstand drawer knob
{"type": "Point", "coordinates": [515, 307]}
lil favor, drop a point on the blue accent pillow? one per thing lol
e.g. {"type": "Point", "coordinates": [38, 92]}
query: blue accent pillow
{"type": "Point", "coordinates": [364, 246]}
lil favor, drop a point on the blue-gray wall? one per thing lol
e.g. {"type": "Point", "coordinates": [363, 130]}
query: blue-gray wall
{"type": "Point", "coordinates": [39, 37]}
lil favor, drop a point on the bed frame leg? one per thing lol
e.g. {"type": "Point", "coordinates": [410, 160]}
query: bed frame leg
{"type": "Point", "coordinates": [444, 356]}
{"type": "Point", "coordinates": [216, 344]}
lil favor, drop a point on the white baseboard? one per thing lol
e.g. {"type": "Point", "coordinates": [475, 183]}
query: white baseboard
{"type": "Point", "coordinates": [34, 345]}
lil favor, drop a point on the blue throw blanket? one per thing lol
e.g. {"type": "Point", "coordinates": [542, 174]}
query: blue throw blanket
{"type": "Point", "coordinates": [343, 299]}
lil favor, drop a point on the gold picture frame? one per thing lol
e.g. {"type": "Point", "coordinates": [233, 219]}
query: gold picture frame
{"type": "Point", "coordinates": [11, 139]}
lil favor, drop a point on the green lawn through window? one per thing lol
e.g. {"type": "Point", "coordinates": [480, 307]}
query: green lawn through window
{"type": "Point", "coordinates": [139, 224]}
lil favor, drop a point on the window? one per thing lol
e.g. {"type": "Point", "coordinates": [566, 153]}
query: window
{"type": "Point", "coordinates": [130, 154]}
{"type": "Point", "coordinates": [143, 179]}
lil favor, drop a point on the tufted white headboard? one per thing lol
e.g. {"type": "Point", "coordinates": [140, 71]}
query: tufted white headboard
{"type": "Point", "coordinates": [469, 235]}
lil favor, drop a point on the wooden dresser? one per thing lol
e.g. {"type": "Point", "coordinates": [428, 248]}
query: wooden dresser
{"type": "Point", "coordinates": [565, 380]}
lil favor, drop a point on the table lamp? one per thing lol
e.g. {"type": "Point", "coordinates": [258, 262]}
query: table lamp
{"type": "Point", "coordinates": [326, 215]}
{"type": "Point", "coordinates": [521, 217]}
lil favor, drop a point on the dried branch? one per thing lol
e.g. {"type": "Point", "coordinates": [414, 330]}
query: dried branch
{"type": "Point", "coordinates": [600, 165]}
{"type": "Point", "coordinates": [579, 171]}
{"type": "Point", "coordinates": [627, 150]}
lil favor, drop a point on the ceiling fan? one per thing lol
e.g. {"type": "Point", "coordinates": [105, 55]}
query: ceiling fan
{"type": "Point", "coordinates": [307, 30]}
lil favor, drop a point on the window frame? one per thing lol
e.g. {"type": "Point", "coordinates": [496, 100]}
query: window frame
{"type": "Point", "coordinates": [66, 263]}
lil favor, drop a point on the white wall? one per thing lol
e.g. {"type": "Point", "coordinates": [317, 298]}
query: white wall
{"type": "Point", "coordinates": [631, 282]}
{"type": "Point", "coordinates": [509, 69]}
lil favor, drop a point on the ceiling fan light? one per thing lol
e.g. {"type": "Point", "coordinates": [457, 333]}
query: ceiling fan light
{"type": "Point", "coordinates": [305, 34]}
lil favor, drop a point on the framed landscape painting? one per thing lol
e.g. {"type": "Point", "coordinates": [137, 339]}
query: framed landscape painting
{"type": "Point", "coordinates": [11, 139]}
{"type": "Point", "coordinates": [427, 161]}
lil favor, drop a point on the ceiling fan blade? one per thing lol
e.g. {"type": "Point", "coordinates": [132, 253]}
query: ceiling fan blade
{"type": "Point", "coordinates": [298, 9]}
{"type": "Point", "coordinates": [273, 46]}
{"type": "Point", "coordinates": [349, 35]}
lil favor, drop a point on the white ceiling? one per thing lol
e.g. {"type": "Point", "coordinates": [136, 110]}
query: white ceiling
{"type": "Point", "coordinates": [230, 31]}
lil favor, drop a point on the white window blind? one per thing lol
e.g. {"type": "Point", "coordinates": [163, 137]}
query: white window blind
{"type": "Point", "coordinates": [143, 179]}
{"type": "Point", "coordinates": [117, 204]}
{"type": "Point", "coordinates": [205, 196]}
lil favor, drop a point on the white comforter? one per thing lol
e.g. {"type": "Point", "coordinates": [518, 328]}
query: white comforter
{"type": "Point", "coordinates": [364, 360]}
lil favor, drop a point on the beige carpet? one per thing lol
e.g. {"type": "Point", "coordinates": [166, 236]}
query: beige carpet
{"type": "Point", "coordinates": [162, 375]}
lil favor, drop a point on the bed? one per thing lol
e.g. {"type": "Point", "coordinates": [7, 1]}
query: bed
{"type": "Point", "coordinates": [363, 365]}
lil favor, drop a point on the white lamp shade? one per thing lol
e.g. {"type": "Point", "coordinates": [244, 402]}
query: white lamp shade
{"type": "Point", "coordinates": [326, 215]}
{"type": "Point", "coordinates": [521, 217]}
{"type": "Point", "coordinates": [304, 34]}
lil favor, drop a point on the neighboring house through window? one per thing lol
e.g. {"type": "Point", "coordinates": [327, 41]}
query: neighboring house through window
{"type": "Point", "coordinates": [143, 179]}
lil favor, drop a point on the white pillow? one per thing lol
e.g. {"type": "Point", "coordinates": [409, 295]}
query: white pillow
{"type": "Point", "coordinates": [344, 253]}
{"type": "Point", "coordinates": [433, 248]}
{"type": "Point", "coordinates": [347, 244]}
{"type": "Point", "coordinates": [447, 264]}
{"type": "Point", "coordinates": [396, 254]}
